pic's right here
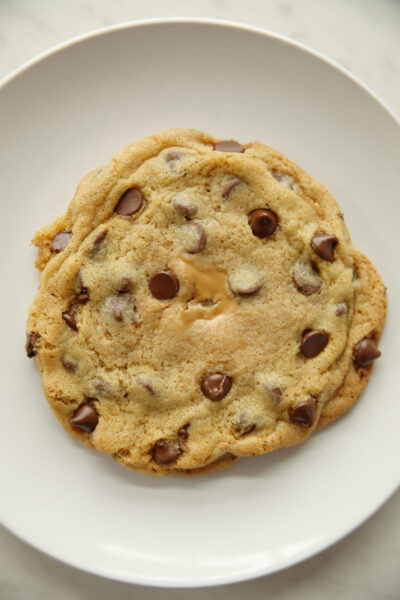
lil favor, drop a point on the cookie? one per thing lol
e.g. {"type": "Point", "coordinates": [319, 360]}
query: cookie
{"type": "Point", "coordinates": [201, 301]}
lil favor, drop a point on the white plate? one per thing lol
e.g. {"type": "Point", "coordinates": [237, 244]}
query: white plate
{"type": "Point", "coordinates": [66, 113]}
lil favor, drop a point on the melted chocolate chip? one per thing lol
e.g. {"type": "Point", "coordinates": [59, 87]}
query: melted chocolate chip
{"type": "Point", "coordinates": [313, 342]}
{"type": "Point", "coordinates": [30, 345]}
{"type": "Point", "coordinates": [284, 179]}
{"type": "Point", "coordinates": [305, 289]}
{"type": "Point", "coordinates": [83, 296]}
{"type": "Point", "coordinates": [183, 205]}
{"type": "Point", "coordinates": [85, 418]}
{"type": "Point", "coordinates": [196, 237]}
{"type": "Point", "coordinates": [172, 156]}
{"type": "Point", "coordinates": [68, 364]}
{"type": "Point", "coordinates": [274, 392]}
{"type": "Point", "coordinates": [245, 281]}
{"type": "Point", "coordinates": [303, 412]}
{"type": "Point", "coordinates": [79, 282]}
{"type": "Point", "coordinates": [126, 284]}
{"type": "Point", "coordinates": [341, 309]}
{"type": "Point", "coordinates": [216, 386]}
{"type": "Point", "coordinates": [60, 241]}
{"type": "Point", "coordinates": [324, 245]}
{"type": "Point", "coordinates": [100, 237]}
{"type": "Point", "coordinates": [130, 202]}
{"type": "Point", "coordinates": [101, 385]}
{"type": "Point", "coordinates": [118, 305]}
{"type": "Point", "coordinates": [306, 278]}
{"type": "Point", "coordinates": [365, 352]}
{"type": "Point", "coordinates": [243, 424]}
{"type": "Point", "coordinates": [263, 222]}
{"type": "Point", "coordinates": [250, 291]}
{"type": "Point", "coordinates": [70, 320]}
{"type": "Point", "coordinates": [229, 146]}
{"type": "Point", "coordinates": [183, 432]}
{"type": "Point", "coordinates": [164, 453]}
{"type": "Point", "coordinates": [147, 384]}
{"type": "Point", "coordinates": [230, 186]}
{"type": "Point", "coordinates": [164, 285]}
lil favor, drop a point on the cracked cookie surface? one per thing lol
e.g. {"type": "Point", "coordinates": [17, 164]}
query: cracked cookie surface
{"type": "Point", "coordinates": [200, 301]}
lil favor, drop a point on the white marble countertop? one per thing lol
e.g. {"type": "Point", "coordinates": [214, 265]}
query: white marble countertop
{"type": "Point", "coordinates": [361, 35]}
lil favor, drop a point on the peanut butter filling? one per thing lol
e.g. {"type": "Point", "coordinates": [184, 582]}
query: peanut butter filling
{"type": "Point", "coordinates": [207, 296]}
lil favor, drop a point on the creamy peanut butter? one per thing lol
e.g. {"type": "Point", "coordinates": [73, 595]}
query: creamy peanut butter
{"type": "Point", "coordinates": [208, 294]}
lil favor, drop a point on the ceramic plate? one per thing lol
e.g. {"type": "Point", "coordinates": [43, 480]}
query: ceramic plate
{"type": "Point", "coordinates": [67, 112]}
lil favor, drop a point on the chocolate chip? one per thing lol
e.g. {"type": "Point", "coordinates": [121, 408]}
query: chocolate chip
{"type": "Point", "coordinates": [130, 202]}
{"type": "Point", "coordinates": [273, 391]}
{"type": "Point", "coordinates": [68, 364]}
{"type": "Point", "coordinates": [164, 285]}
{"type": "Point", "coordinates": [194, 237]}
{"type": "Point", "coordinates": [216, 385]}
{"type": "Point", "coordinates": [60, 241]}
{"type": "Point", "coordinates": [313, 342]}
{"type": "Point", "coordinates": [229, 146]}
{"type": "Point", "coordinates": [263, 222]}
{"type": "Point", "coordinates": [284, 179]}
{"type": "Point", "coordinates": [98, 241]}
{"type": "Point", "coordinates": [276, 394]}
{"type": "Point", "coordinates": [164, 453]}
{"type": "Point", "coordinates": [101, 385]}
{"type": "Point", "coordinates": [249, 429]}
{"type": "Point", "coordinates": [83, 296]}
{"type": "Point", "coordinates": [245, 281]}
{"type": "Point", "coordinates": [146, 383]}
{"type": "Point", "coordinates": [32, 339]}
{"type": "Point", "coordinates": [230, 186]}
{"type": "Point", "coordinates": [79, 282]}
{"type": "Point", "coordinates": [125, 285]}
{"type": "Point", "coordinates": [303, 412]}
{"type": "Point", "coordinates": [341, 309]}
{"type": "Point", "coordinates": [306, 290]}
{"type": "Point", "coordinates": [306, 278]}
{"type": "Point", "coordinates": [183, 205]}
{"type": "Point", "coordinates": [249, 291]}
{"type": "Point", "coordinates": [243, 424]}
{"type": "Point", "coordinates": [70, 320]}
{"type": "Point", "coordinates": [118, 305]}
{"type": "Point", "coordinates": [85, 418]}
{"type": "Point", "coordinates": [183, 432]}
{"type": "Point", "coordinates": [365, 352]}
{"type": "Point", "coordinates": [172, 156]}
{"type": "Point", "coordinates": [324, 245]}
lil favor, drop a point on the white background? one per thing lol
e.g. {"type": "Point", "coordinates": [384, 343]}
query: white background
{"type": "Point", "coordinates": [361, 35]}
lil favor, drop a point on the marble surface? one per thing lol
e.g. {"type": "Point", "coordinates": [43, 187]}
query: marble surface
{"type": "Point", "coordinates": [361, 35]}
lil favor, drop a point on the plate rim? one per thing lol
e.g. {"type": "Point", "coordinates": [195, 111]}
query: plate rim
{"type": "Point", "coordinates": [13, 74]}
{"type": "Point", "coordinates": [315, 549]}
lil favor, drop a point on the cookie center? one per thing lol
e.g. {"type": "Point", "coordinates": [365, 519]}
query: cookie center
{"type": "Point", "coordinates": [207, 295]}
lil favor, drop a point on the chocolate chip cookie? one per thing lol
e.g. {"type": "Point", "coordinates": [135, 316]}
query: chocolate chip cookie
{"type": "Point", "coordinates": [201, 301]}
